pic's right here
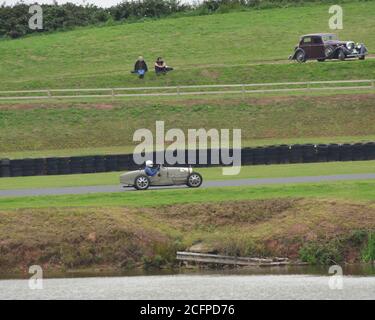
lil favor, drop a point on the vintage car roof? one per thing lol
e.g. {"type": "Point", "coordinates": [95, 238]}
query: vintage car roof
{"type": "Point", "coordinates": [318, 34]}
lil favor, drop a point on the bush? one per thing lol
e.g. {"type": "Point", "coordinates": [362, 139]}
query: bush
{"type": "Point", "coordinates": [368, 254]}
{"type": "Point", "coordinates": [321, 253]}
{"type": "Point", "coordinates": [14, 20]}
{"type": "Point", "coordinates": [153, 262]}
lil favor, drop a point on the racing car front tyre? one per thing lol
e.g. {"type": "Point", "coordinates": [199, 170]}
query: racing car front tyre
{"type": "Point", "coordinates": [142, 182]}
{"type": "Point", "coordinates": [195, 180]}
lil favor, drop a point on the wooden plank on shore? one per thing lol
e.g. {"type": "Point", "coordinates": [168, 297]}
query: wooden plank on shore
{"type": "Point", "coordinates": [230, 260]}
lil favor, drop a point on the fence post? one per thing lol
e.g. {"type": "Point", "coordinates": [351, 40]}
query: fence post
{"type": "Point", "coordinates": [373, 84]}
{"type": "Point", "coordinates": [113, 94]}
{"type": "Point", "coordinates": [49, 94]}
{"type": "Point", "coordinates": [178, 90]}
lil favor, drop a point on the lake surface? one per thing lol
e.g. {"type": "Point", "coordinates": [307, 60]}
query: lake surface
{"type": "Point", "coordinates": [194, 286]}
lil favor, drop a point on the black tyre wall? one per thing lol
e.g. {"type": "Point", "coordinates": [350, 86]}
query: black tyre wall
{"type": "Point", "coordinates": [346, 152]}
{"type": "Point", "coordinates": [16, 168]}
{"type": "Point", "coordinates": [369, 150]}
{"type": "Point", "coordinates": [76, 165]}
{"type": "Point", "coordinates": [296, 154]}
{"type": "Point", "coordinates": [333, 152]}
{"type": "Point", "coordinates": [5, 168]}
{"type": "Point", "coordinates": [306, 153]}
{"type": "Point", "coordinates": [99, 164]}
{"type": "Point", "coordinates": [322, 152]}
{"type": "Point", "coordinates": [52, 166]}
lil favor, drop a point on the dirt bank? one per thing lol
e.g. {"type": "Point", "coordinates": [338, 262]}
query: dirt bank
{"type": "Point", "coordinates": [125, 239]}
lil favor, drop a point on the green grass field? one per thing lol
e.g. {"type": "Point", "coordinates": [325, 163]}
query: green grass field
{"type": "Point", "coordinates": [122, 231]}
{"type": "Point", "coordinates": [247, 172]}
{"type": "Point", "coordinates": [237, 47]}
{"type": "Point", "coordinates": [204, 49]}
{"type": "Point", "coordinates": [351, 190]}
{"type": "Point", "coordinates": [95, 128]}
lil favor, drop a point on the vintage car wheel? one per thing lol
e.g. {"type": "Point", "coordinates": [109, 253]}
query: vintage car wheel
{"type": "Point", "coordinates": [142, 182]}
{"type": "Point", "coordinates": [194, 180]}
{"type": "Point", "coordinates": [341, 55]}
{"type": "Point", "coordinates": [362, 58]}
{"type": "Point", "coordinates": [321, 60]}
{"type": "Point", "coordinates": [328, 51]}
{"type": "Point", "coordinates": [300, 56]}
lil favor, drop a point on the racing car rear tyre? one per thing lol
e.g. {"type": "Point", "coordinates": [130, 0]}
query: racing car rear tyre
{"type": "Point", "coordinates": [195, 180]}
{"type": "Point", "coordinates": [142, 182]}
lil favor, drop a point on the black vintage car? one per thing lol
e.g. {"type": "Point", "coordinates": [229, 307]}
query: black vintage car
{"type": "Point", "coordinates": [325, 46]}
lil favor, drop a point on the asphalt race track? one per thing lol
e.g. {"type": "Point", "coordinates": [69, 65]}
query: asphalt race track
{"type": "Point", "coordinates": [207, 184]}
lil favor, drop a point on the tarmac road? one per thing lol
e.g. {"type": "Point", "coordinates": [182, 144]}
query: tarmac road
{"type": "Point", "coordinates": [206, 184]}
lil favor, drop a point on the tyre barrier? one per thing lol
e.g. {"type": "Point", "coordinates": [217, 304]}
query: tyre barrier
{"type": "Point", "coordinates": [298, 153]}
{"type": "Point", "coordinates": [333, 152]}
{"type": "Point", "coordinates": [63, 165]}
{"type": "Point", "coordinates": [52, 166]}
{"type": "Point", "coordinates": [322, 153]}
{"type": "Point", "coordinates": [5, 168]}
{"type": "Point", "coordinates": [76, 165]}
{"type": "Point", "coordinates": [99, 162]}
{"type": "Point", "coordinates": [369, 148]}
{"type": "Point", "coordinates": [309, 153]}
{"type": "Point", "coordinates": [358, 152]}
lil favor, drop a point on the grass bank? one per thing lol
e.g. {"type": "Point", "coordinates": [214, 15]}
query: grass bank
{"type": "Point", "coordinates": [126, 238]}
{"type": "Point", "coordinates": [96, 128]}
{"type": "Point", "coordinates": [247, 172]}
{"type": "Point", "coordinates": [203, 49]}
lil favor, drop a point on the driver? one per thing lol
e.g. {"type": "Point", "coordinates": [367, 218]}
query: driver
{"type": "Point", "coordinates": [150, 170]}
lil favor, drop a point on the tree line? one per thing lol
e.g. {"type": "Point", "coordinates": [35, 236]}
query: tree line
{"type": "Point", "coordinates": [14, 20]}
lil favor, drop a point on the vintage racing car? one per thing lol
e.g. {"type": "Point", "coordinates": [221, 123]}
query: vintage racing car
{"type": "Point", "coordinates": [327, 46]}
{"type": "Point", "coordinates": [166, 176]}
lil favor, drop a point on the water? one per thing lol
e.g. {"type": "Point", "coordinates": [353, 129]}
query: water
{"type": "Point", "coordinates": [193, 286]}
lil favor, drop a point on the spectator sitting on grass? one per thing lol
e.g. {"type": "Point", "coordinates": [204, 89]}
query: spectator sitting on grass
{"type": "Point", "coordinates": [140, 67]}
{"type": "Point", "coordinates": [161, 67]}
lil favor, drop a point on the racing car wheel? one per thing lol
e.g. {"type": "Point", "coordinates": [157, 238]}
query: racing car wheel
{"type": "Point", "coordinates": [142, 182]}
{"type": "Point", "coordinates": [194, 180]}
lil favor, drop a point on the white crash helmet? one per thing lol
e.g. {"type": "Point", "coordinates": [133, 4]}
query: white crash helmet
{"type": "Point", "coordinates": [149, 164]}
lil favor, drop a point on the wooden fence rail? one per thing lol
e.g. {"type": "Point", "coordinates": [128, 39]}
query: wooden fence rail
{"type": "Point", "coordinates": [185, 90]}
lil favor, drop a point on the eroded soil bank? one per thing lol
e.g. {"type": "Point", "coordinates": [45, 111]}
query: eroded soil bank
{"type": "Point", "coordinates": [117, 239]}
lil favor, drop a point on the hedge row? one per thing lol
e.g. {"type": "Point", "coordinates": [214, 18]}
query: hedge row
{"type": "Point", "coordinates": [306, 153]}
{"type": "Point", "coordinates": [14, 19]}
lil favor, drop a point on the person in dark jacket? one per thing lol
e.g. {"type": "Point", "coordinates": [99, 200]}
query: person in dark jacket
{"type": "Point", "coordinates": [161, 67]}
{"type": "Point", "coordinates": [140, 67]}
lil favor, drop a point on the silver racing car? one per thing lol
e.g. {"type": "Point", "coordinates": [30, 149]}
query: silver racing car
{"type": "Point", "coordinates": [165, 176]}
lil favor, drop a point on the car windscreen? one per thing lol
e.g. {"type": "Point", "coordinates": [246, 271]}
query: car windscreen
{"type": "Point", "coordinates": [329, 37]}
